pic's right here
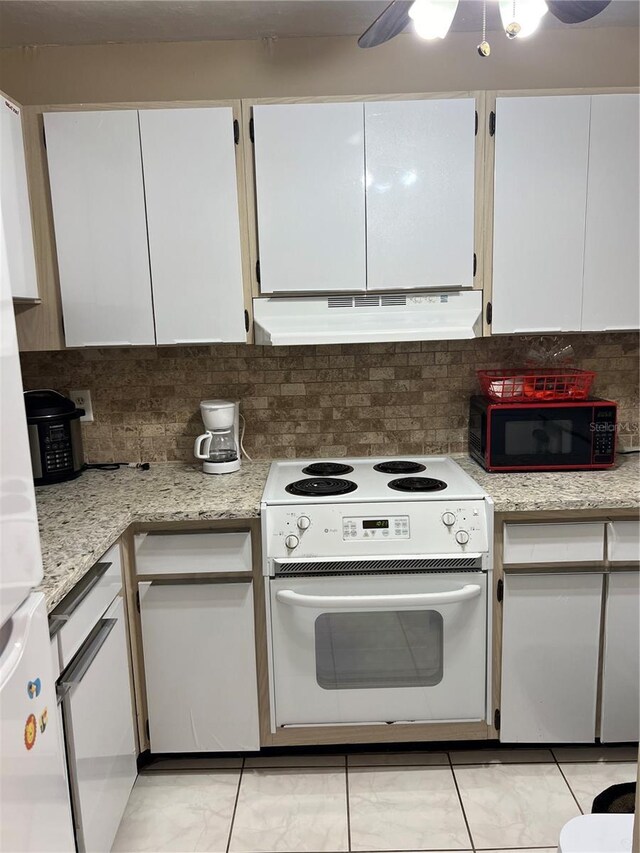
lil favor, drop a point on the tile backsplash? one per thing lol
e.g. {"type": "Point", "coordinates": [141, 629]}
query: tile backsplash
{"type": "Point", "coordinates": [356, 400]}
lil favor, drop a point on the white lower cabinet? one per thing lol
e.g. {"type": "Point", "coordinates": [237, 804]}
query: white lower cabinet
{"type": "Point", "coordinates": [200, 667]}
{"type": "Point", "coordinates": [620, 717]}
{"type": "Point", "coordinates": [550, 642]}
{"type": "Point", "coordinates": [99, 736]}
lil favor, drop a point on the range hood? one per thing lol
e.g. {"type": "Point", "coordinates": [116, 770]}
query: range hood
{"type": "Point", "coordinates": [367, 318]}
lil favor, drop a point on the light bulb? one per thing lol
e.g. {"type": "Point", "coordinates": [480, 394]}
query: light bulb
{"type": "Point", "coordinates": [432, 18]}
{"type": "Point", "coordinates": [528, 15]}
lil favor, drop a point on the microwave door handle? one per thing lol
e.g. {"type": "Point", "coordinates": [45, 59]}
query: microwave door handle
{"type": "Point", "coordinates": [377, 602]}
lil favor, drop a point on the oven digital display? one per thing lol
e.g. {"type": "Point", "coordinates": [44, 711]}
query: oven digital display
{"type": "Point", "coordinates": [374, 524]}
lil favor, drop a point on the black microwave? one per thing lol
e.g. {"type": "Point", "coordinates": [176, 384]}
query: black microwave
{"type": "Point", "coordinates": [579, 435]}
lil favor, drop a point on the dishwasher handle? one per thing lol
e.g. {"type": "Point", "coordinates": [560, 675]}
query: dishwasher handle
{"type": "Point", "coordinates": [378, 602]}
{"type": "Point", "coordinates": [78, 668]}
{"type": "Point", "coordinates": [64, 611]}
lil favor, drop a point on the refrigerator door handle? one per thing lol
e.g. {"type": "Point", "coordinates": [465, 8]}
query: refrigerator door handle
{"type": "Point", "coordinates": [65, 609]}
{"type": "Point", "coordinates": [78, 668]}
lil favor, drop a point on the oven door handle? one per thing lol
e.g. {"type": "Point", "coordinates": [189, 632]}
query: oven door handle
{"type": "Point", "coordinates": [377, 602]}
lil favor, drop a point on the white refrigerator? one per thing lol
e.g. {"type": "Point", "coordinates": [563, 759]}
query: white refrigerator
{"type": "Point", "coordinates": [35, 811]}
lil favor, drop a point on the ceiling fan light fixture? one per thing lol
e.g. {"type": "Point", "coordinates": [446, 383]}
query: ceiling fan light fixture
{"type": "Point", "coordinates": [522, 18]}
{"type": "Point", "coordinates": [432, 19]}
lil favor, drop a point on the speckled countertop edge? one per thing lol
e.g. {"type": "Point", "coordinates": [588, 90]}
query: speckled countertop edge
{"type": "Point", "coordinates": [81, 519]}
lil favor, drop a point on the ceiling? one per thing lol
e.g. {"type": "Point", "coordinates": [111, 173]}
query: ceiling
{"type": "Point", "coordinates": [74, 22]}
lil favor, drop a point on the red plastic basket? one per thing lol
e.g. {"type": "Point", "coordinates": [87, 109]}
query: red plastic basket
{"type": "Point", "coordinates": [532, 386]}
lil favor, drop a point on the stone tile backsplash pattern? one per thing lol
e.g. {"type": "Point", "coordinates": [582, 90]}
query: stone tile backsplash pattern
{"type": "Point", "coordinates": [346, 400]}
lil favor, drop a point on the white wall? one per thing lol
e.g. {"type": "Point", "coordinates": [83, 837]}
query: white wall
{"type": "Point", "coordinates": [321, 66]}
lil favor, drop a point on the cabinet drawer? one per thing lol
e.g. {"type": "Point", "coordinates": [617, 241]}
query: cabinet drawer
{"type": "Point", "coordinates": [554, 543]}
{"type": "Point", "coordinates": [193, 553]}
{"type": "Point", "coordinates": [623, 541]}
{"type": "Point", "coordinates": [84, 605]}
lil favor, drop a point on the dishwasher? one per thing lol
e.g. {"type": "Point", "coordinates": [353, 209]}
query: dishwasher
{"type": "Point", "coordinates": [97, 716]}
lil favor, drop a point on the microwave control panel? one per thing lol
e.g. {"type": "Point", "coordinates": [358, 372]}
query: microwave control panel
{"type": "Point", "coordinates": [394, 527]}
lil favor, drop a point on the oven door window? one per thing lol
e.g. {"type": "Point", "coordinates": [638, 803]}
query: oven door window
{"type": "Point", "coordinates": [549, 436]}
{"type": "Point", "coordinates": [379, 649]}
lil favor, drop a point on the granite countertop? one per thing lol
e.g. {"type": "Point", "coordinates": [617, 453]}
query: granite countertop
{"type": "Point", "coordinates": [614, 488]}
{"type": "Point", "coordinates": [81, 519]}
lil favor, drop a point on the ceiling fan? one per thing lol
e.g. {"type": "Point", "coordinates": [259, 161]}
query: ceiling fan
{"type": "Point", "coordinates": [432, 18]}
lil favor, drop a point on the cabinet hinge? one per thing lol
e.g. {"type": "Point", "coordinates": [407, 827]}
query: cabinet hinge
{"type": "Point", "coordinates": [138, 601]}
{"type": "Point", "coordinates": [500, 590]}
{"type": "Point", "coordinates": [236, 131]}
{"type": "Point", "coordinates": [146, 728]}
{"type": "Point", "coordinates": [496, 719]}
{"type": "Point", "coordinates": [246, 321]}
{"type": "Point", "coordinates": [489, 313]}
{"type": "Point", "coordinates": [476, 122]}
{"type": "Point", "coordinates": [258, 271]}
{"type": "Point", "coordinates": [251, 135]}
{"type": "Point", "coordinates": [492, 123]}
{"type": "Point", "coordinates": [475, 264]}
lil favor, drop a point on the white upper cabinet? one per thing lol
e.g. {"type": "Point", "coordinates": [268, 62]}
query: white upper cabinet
{"type": "Point", "coordinates": [611, 269]}
{"type": "Point", "coordinates": [541, 160]}
{"type": "Point", "coordinates": [97, 195]}
{"type": "Point", "coordinates": [420, 161]}
{"type": "Point", "coordinates": [310, 190]}
{"type": "Point", "coordinates": [193, 222]}
{"type": "Point", "coordinates": [17, 259]}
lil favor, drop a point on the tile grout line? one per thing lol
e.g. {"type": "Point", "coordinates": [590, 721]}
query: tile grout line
{"type": "Point", "coordinates": [235, 806]}
{"type": "Point", "coordinates": [464, 814]}
{"type": "Point", "coordinates": [346, 781]}
{"type": "Point", "coordinates": [567, 782]}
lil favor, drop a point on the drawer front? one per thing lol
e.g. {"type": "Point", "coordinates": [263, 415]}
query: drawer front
{"type": "Point", "coordinates": [554, 543]}
{"type": "Point", "coordinates": [623, 541]}
{"type": "Point", "coordinates": [87, 602]}
{"type": "Point", "coordinates": [193, 553]}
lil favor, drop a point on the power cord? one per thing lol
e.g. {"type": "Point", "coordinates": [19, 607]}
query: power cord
{"type": "Point", "coordinates": [114, 466]}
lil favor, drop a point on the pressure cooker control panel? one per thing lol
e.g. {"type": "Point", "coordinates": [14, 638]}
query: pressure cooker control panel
{"type": "Point", "coordinates": [57, 448]}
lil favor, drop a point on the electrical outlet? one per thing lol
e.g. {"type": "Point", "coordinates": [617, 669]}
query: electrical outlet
{"type": "Point", "coordinates": [82, 399]}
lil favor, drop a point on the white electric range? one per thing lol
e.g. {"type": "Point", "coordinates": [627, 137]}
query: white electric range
{"type": "Point", "coordinates": [378, 571]}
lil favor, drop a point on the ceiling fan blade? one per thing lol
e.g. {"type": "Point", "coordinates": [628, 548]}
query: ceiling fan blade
{"type": "Point", "coordinates": [576, 11]}
{"type": "Point", "coordinates": [387, 25]}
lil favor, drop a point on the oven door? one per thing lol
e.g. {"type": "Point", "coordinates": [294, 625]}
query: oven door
{"type": "Point", "coordinates": [379, 648]}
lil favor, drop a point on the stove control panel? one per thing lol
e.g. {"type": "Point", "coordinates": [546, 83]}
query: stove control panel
{"type": "Point", "coordinates": [393, 527]}
{"type": "Point", "coordinates": [375, 529]}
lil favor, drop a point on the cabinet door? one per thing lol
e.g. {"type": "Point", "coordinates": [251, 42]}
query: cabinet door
{"type": "Point", "coordinates": [550, 643]}
{"type": "Point", "coordinates": [310, 187]}
{"type": "Point", "coordinates": [539, 214]}
{"type": "Point", "coordinates": [620, 718]}
{"type": "Point", "coordinates": [200, 668]}
{"type": "Point", "coordinates": [99, 728]}
{"type": "Point", "coordinates": [420, 158]}
{"type": "Point", "coordinates": [95, 171]}
{"type": "Point", "coordinates": [611, 269]}
{"type": "Point", "coordinates": [194, 227]}
{"type": "Point", "coordinates": [17, 257]}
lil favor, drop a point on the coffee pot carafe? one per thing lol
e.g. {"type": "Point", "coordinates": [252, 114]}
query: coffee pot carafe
{"type": "Point", "coordinates": [219, 446]}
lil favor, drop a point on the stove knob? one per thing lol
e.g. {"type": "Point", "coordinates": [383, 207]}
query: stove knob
{"type": "Point", "coordinates": [462, 537]}
{"type": "Point", "coordinates": [448, 518]}
{"type": "Point", "coordinates": [303, 522]}
{"type": "Point", "coordinates": [291, 542]}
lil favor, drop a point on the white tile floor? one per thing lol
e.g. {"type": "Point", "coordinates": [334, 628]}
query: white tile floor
{"type": "Point", "coordinates": [485, 800]}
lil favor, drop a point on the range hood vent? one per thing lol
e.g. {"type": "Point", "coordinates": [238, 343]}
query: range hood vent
{"type": "Point", "coordinates": [367, 318]}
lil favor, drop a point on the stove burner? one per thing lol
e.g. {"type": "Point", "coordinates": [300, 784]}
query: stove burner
{"type": "Point", "coordinates": [417, 484]}
{"type": "Point", "coordinates": [327, 469]}
{"type": "Point", "coordinates": [320, 487]}
{"type": "Point", "coordinates": [399, 466]}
